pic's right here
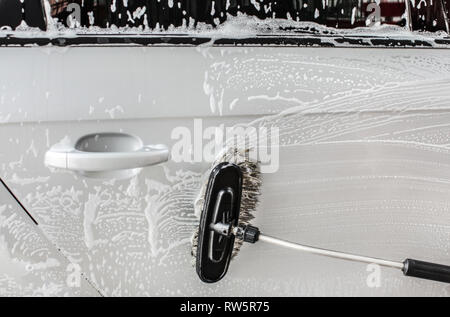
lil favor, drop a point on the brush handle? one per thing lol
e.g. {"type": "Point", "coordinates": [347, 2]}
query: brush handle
{"type": "Point", "coordinates": [426, 270]}
{"type": "Point", "coordinates": [410, 267]}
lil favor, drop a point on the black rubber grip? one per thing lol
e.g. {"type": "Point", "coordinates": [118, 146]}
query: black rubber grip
{"type": "Point", "coordinates": [426, 270]}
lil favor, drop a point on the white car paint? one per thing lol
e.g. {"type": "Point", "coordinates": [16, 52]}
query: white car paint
{"type": "Point", "coordinates": [31, 265]}
{"type": "Point", "coordinates": [363, 161]}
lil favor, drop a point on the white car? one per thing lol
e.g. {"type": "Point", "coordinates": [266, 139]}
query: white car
{"type": "Point", "coordinates": [111, 114]}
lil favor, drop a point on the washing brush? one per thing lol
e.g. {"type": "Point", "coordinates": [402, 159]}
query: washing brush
{"type": "Point", "coordinates": [226, 205]}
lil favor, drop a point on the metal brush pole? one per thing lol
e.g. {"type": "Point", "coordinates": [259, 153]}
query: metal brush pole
{"type": "Point", "coordinates": [329, 253]}
{"type": "Point", "coordinates": [409, 267]}
{"type": "Point", "coordinates": [252, 234]}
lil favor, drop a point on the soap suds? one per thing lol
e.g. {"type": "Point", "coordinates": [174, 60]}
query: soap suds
{"type": "Point", "coordinates": [365, 150]}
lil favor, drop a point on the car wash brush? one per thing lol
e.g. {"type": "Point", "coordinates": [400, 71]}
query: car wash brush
{"type": "Point", "coordinates": [226, 206]}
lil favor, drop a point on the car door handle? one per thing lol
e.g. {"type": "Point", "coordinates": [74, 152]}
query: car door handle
{"type": "Point", "coordinates": [103, 152]}
{"type": "Point", "coordinates": [107, 161]}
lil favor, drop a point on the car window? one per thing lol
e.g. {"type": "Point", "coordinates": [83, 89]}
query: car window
{"type": "Point", "coordinates": [14, 12]}
{"type": "Point", "coordinates": [176, 13]}
{"type": "Point", "coordinates": [430, 15]}
{"type": "Point", "coordinates": [424, 15]}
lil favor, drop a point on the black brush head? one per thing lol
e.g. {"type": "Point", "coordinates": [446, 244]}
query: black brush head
{"type": "Point", "coordinates": [222, 205]}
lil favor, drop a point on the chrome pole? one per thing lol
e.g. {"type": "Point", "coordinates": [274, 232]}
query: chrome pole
{"type": "Point", "coordinates": [329, 253]}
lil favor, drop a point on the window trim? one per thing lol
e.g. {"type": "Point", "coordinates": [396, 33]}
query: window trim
{"type": "Point", "coordinates": [15, 39]}
{"type": "Point", "coordinates": [175, 40]}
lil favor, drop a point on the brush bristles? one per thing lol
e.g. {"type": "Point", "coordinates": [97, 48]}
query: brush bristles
{"type": "Point", "coordinates": [251, 184]}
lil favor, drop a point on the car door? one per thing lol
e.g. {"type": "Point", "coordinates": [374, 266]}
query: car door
{"type": "Point", "coordinates": [360, 117]}
{"type": "Point", "coordinates": [31, 264]}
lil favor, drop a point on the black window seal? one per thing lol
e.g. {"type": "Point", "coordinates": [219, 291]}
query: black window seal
{"type": "Point", "coordinates": [278, 40]}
